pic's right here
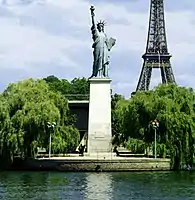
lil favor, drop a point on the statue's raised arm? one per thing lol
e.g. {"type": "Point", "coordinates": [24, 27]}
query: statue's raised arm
{"type": "Point", "coordinates": [93, 15]}
{"type": "Point", "coordinates": [94, 30]}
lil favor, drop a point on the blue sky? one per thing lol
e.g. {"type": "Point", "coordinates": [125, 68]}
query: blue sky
{"type": "Point", "coordinates": [39, 38]}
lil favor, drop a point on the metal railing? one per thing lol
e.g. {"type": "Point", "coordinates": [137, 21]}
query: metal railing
{"type": "Point", "coordinates": [77, 96]}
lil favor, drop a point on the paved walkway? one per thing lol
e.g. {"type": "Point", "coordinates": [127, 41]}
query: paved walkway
{"type": "Point", "coordinates": [98, 156]}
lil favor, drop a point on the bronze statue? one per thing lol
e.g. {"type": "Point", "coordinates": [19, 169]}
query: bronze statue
{"type": "Point", "coordinates": [101, 47]}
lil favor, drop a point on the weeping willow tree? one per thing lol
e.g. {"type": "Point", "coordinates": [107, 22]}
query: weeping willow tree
{"type": "Point", "coordinates": [174, 108]}
{"type": "Point", "coordinates": [25, 109]}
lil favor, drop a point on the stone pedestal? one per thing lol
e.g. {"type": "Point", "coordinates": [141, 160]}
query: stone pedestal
{"type": "Point", "coordinates": [99, 128]}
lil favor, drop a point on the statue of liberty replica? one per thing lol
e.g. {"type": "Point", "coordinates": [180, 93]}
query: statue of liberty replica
{"type": "Point", "coordinates": [101, 47]}
{"type": "Point", "coordinates": [99, 120]}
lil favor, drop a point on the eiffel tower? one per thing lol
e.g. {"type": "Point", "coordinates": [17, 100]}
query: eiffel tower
{"type": "Point", "coordinates": [156, 55]}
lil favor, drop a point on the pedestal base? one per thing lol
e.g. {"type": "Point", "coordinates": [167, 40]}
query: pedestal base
{"type": "Point", "coordinates": [99, 128]}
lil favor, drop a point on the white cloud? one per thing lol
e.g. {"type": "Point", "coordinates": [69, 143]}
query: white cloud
{"type": "Point", "coordinates": [22, 45]}
{"type": "Point", "coordinates": [57, 33]}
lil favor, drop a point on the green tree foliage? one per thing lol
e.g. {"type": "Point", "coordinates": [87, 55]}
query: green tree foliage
{"type": "Point", "coordinates": [174, 108]}
{"type": "Point", "coordinates": [116, 123]}
{"type": "Point", "coordinates": [76, 89]}
{"type": "Point", "coordinates": [25, 109]}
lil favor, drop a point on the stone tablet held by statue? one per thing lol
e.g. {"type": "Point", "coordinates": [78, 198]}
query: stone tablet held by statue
{"type": "Point", "coordinates": [101, 47]}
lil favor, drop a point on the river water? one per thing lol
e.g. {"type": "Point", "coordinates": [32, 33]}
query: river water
{"type": "Point", "coordinates": [100, 186]}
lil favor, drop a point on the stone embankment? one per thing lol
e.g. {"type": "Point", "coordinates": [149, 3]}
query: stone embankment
{"type": "Point", "coordinates": [100, 162]}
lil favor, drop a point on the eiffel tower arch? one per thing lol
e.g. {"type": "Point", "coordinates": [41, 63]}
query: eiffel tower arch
{"type": "Point", "coordinates": [156, 54]}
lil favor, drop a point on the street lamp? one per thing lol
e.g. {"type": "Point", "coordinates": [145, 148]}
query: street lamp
{"type": "Point", "coordinates": [51, 126]}
{"type": "Point", "coordinates": [155, 125]}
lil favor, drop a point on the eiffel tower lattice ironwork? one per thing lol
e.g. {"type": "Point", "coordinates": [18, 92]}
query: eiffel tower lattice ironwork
{"type": "Point", "coordinates": [156, 55]}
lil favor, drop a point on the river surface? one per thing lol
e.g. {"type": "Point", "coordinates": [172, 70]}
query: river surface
{"type": "Point", "coordinates": [100, 186]}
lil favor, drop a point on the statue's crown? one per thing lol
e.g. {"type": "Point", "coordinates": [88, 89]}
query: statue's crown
{"type": "Point", "coordinates": [101, 23]}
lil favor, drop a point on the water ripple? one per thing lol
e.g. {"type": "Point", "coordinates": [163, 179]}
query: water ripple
{"type": "Point", "coordinates": [100, 186]}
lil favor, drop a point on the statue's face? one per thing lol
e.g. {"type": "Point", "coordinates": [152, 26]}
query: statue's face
{"type": "Point", "coordinates": [100, 28]}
